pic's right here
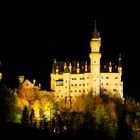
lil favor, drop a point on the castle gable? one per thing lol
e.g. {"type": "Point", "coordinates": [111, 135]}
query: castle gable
{"type": "Point", "coordinates": [27, 84]}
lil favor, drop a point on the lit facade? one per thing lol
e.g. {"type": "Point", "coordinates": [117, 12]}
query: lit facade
{"type": "Point", "coordinates": [72, 78]}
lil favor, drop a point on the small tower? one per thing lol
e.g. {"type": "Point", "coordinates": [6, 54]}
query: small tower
{"type": "Point", "coordinates": [57, 69]}
{"type": "Point", "coordinates": [53, 67]}
{"type": "Point", "coordinates": [78, 69]}
{"type": "Point", "coordinates": [65, 65]}
{"type": "Point", "coordinates": [119, 64]}
{"type": "Point", "coordinates": [39, 86]}
{"type": "Point", "coordinates": [86, 67]}
{"type": "Point", "coordinates": [21, 79]}
{"type": "Point", "coordinates": [110, 66]}
{"type": "Point", "coordinates": [34, 81]}
{"type": "Point", "coordinates": [70, 67]}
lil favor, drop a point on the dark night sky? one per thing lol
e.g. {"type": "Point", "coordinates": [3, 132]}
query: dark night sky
{"type": "Point", "coordinates": [35, 35]}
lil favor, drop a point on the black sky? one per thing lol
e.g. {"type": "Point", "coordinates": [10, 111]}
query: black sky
{"type": "Point", "coordinates": [35, 35]}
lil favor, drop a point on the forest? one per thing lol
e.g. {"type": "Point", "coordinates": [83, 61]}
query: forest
{"type": "Point", "coordinates": [87, 116]}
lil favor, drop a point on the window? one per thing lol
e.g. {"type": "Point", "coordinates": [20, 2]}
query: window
{"type": "Point", "coordinates": [107, 77]}
{"type": "Point", "coordinates": [73, 78]}
{"type": "Point", "coordinates": [59, 82]}
{"type": "Point", "coordinates": [107, 84]}
{"type": "Point", "coordinates": [82, 78]}
{"type": "Point", "coordinates": [114, 90]}
{"type": "Point", "coordinates": [116, 77]}
{"type": "Point", "coordinates": [79, 84]}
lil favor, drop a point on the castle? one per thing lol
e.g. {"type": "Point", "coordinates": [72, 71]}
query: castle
{"type": "Point", "coordinates": [72, 78]}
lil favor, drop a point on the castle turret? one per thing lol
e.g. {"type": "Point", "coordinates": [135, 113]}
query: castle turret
{"type": "Point", "coordinates": [86, 67]}
{"type": "Point", "coordinates": [65, 65]}
{"type": "Point", "coordinates": [20, 79]}
{"type": "Point", "coordinates": [57, 69]}
{"type": "Point", "coordinates": [70, 67]}
{"type": "Point", "coordinates": [95, 56]}
{"type": "Point", "coordinates": [120, 72]}
{"type": "Point", "coordinates": [78, 69]}
{"type": "Point", "coordinates": [119, 64]}
{"type": "Point", "coordinates": [53, 67]}
{"type": "Point", "coordinates": [110, 66]}
{"type": "Point", "coordinates": [34, 81]}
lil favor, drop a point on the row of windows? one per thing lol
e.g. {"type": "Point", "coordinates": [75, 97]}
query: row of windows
{"type": "Point", "coordinates": [88, 84]}
{"type": "Point", "coordinates": [82, 78]}
{"type": "Point", "coordinates": [113, 89]}
{"type": "Point", "coordinates": [79, 90]}
{"type": "Point", "coordinates": [107, 77]}
{"type": "Point", "coordinates": [64, 96]}
{"type": "Point", "coordinates": [108, 84]}
{"type": "Point", "coordinates": [79, 84]}
{"type": "Point", "coordinates": [75, 90]}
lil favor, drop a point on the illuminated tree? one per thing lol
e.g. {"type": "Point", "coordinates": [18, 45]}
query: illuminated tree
{"type": "Point", "coordinates": [111, 122]}
{"type": "Point", "coordinates": [132, 114]}
{"type": "Point", "coordinates": [27, 94]}
{"type": "Point", "coordinates": [21, 103]}
{"type": "Point", "coordinates": [79, 103]}
{"type": "Point", "coordinates": [63, 105]}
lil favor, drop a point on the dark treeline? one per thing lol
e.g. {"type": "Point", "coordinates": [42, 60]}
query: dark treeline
{"type": "Point", "coordinates": [88, 116]}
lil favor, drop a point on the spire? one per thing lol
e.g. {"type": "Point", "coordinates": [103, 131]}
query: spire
{"type": "Point", "coordinates": [78, 69]}
{"type": "Point", "coordinates": [110, 66]}
{"type": "Point", "coordinates": [95, 27]}
{"type": "Point", "coordinates": [54, 66]}
{"type": "Point", "coordinates": [57, 69]}
{"type": "Point", "coordinates": [120, 60]}
{"type": "Point", "coordinates": [95, 34]}
{"type": "Point", "coordinates": [85, 66]}
{"type": "Point", "coordinates": [54, 61]}
{"type": "Point", "coordinates": [70, 67]}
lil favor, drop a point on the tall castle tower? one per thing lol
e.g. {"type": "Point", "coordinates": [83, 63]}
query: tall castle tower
{"type": "Point", "coordinates": [95, 57]}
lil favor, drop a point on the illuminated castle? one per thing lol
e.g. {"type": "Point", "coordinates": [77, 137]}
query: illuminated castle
{"type": "Point", "coordinates": [72, 78]}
